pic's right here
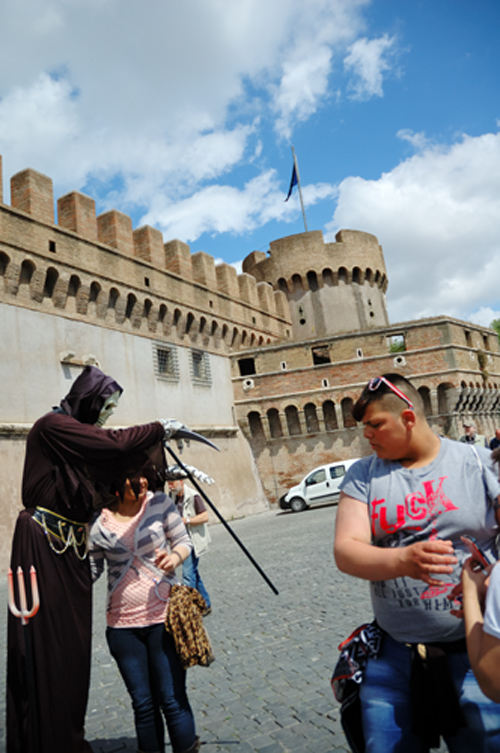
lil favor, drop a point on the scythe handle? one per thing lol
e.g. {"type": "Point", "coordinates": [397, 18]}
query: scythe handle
{"type": "Point", "coordinates": [222, 520]}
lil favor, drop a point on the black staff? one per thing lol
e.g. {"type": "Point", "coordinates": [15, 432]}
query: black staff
{"type": "Point", "coordinates": [224, 522]}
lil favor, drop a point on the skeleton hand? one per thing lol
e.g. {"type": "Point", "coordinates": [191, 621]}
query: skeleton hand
{"type": "Point", "coordinates": [171, 427]}
{"type": "Point", "coordinates": [176, 471]}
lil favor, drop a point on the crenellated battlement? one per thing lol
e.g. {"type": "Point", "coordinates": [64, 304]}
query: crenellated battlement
{"type": "Point", "coordinates": [98, 268]}
{"type": "Point", "coordinates": [330, 287]}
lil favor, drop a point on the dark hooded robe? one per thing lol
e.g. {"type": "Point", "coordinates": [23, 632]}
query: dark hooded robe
{"type": "Point", "coordinates": [71, 466]}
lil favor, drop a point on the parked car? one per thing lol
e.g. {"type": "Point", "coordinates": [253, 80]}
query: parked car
{"type": "Point", "coordinates": [319, 486]}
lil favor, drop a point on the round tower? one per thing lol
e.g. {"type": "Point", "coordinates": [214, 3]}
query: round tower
{"type": "Point", "coordinates": [332, 288]}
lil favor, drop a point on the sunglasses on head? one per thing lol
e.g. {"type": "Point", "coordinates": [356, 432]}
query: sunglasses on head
{"type": "Point", "coordinates": [375, 383]}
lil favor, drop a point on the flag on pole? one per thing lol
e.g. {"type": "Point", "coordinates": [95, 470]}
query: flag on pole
{"type": "Point", "coordinates": [294, 181]}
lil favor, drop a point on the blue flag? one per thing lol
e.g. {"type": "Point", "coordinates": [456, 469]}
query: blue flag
{"type": "Point", "coordinates": [293, 182]}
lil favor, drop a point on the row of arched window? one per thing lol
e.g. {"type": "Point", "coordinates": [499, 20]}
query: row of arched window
{"type": "Point", "coordinates": [123, 309]}
{"type": "Point", "coordinates": [327, 416]}
{"type": "Point", "coordinates": [328, 278]}
{"type": "Point", "coordinates": [310, 420]}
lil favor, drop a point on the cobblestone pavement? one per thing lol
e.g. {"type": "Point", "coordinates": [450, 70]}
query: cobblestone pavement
{"type": "Point", "coordinates": [268, 690]}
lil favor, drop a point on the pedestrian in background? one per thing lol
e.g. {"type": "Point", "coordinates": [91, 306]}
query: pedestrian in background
{"type": "Point", "coordinates": [195, 517]}
{"type": "Point", "coordinates": [495, 442]}
{"type": "Point", "coordinates": [471, 436]}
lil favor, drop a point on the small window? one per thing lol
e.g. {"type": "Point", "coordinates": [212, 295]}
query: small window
{"type": "Point", "coordinates": [468, 338]}
{"type": "Point", "coordinates": [165, 362]}
{"type": "Point", "coordinates": [396, 344]}
{"type": "Point", "coordinates": [200, 368]}
{"type": "Point", "coordinates": [316, 478]}
{"type": "Point", "coordinates": [52, 247]}
{"type": "Point", "coordinates": [321, 355]}
{"type": "Point", "coordinates": [246, 366]}
{"type": "Point", "coordinates": [337, 471]}
{"type": "Point", "coordinates": [325, 383]}
{"type": "Point", "coordinates": [359, 353]}
{"type": "Point", "coordinates": [283, 365]}
{"type": "Point", "coordinates": [146, 282]}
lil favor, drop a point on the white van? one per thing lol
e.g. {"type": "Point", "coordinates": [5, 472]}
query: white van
{"type": "Point", "coordinates": [319, 486]}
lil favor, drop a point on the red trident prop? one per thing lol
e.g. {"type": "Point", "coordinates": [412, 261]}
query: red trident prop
{"type": "Point", "coordinates": [26, 614]}
{"type": "Point", "coordinates": [23, 612]}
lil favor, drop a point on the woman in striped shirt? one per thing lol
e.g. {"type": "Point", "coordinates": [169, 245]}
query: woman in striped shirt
{"type": "Point", "coordinates": [143, 539]}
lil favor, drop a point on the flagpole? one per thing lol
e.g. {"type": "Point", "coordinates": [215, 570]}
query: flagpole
{"type": "Point", "coordinates": [300, 190]}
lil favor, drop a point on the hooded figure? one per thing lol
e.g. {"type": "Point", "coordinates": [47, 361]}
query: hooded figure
{"type": "Point", "coordinates": [71, 466]}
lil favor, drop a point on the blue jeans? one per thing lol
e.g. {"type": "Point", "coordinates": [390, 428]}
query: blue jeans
{"type": "Point", "coordinates": [191, 576]}
{"type": "Point", "coordinates": [155, 679]}
{"type": "Point", "coordinates": [386, 706]}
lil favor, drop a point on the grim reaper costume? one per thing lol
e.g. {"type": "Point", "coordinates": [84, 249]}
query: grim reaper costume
{"type": "Point", "coordinates": [70, 466]}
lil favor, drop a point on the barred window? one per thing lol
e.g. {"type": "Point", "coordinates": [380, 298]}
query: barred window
{"type": "Point", "coordinates": [165, 362]}
{"type": "Point", "coordinates": [200, 368]}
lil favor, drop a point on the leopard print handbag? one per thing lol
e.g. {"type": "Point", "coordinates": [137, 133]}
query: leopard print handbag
{"type": "Point", "coordinates": [185, 623]}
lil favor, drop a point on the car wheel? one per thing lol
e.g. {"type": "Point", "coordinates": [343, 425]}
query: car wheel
{"type": "Point", "coordinates": [297, 504]}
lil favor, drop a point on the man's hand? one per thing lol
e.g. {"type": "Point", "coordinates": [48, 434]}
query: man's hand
{"type": "Point", "coordinates": [425, 559]}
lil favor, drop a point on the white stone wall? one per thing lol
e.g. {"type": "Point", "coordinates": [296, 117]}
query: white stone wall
{"type": "Point", "coordinates": [33, 379]}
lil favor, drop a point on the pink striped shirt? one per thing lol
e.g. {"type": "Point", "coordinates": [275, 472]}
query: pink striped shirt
{"type": "Point", "coordinates": [140, 599]}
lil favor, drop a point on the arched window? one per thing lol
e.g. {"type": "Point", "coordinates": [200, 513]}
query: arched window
{"type": "Point", "coordinates": [425, 394]}
{"type": "Point", "coordinates": [312, 423]}
{"type": "Point", "coordinates": [50, 282]}
{"type": "Point", "coordinates": [356, 275]}
{"type": "Point", "coordinates": [95, 289]}
{"type": "Point", "coordinates": [347, 416]}
{"type": "Point", "coordinates": [312, 280]}
{"type": "Point", "coordinates": [368, 275]}
{"type": "Point", "coordinates": [292, 420]}
{"type": "Point", "coordinates": [275, 428]}
{"type": "Point", "coordinates": [162, 313]}
{"type": "Point", "coordinates": [177, 317]}
{"type": "Point", "coordinates": [74, 285]}
{"type": "Point", "coordinates": [327, 277]}
{"type": "Point", "coordinates": [213, 330]}
{"type": "Point", "coordinates": [113, 298]}
{"type": "Point", "coordinates": [225, 330]}
{"type": "Point", "coordinates": [255, 423]}
{"type": "Point", "coordinates": [4, 263]}
{"type": "Point", "coordinates": [297, 283]}
{"type": "Point", "coordinates": [27, 269]}
{"type": "Point", "coordinates": [282, 285]}
{"type": "Point", "coordinates": [343, 274]}
{"type": "Point", "coordinates": [148, 305]}
{"type": "Point", "coordinates": [330, 416]}
{"type": "Point", "coordinates": [131, 301]}
{"type": "Point", "coordinates": [203, 323]}
{"type": "Point", "coordinates": [189, 322]}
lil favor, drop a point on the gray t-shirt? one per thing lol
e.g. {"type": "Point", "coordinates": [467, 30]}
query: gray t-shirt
{"type": "Point", "coordinates": [492, 611]}
{"type": "Point", "coordinates": [446, 499]}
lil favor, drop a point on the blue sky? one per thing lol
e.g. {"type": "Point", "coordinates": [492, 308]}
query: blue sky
{"type": "Point", "coordinates": [182, 115]}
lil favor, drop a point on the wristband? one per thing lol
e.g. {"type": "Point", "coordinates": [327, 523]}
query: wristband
{"type": "Point", "coordinates": [188, 521]}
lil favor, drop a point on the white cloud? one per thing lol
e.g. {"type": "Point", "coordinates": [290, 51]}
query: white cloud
{"type": "Point", "coordinates": [367, 61]}
{"type": "Point", "coordinates": [158, 99]}
{"type": "Point", "coordinates": [227, 209]}
{"type": "Point", "coordinates": [484, 316]}
{"type": "Point", "coordinates": [436, 215]}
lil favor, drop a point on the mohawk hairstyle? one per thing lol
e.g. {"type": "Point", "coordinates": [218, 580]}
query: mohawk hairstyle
{"type": "Point", "coordinates": [383, 391]}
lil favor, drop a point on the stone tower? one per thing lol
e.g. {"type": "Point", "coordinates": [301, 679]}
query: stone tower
{"type": "Point", "coordinates": [332, 288]}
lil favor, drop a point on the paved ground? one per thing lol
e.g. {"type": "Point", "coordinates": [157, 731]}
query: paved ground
{"type": "Point", "coordinates": [269, 689]}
